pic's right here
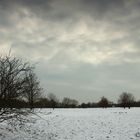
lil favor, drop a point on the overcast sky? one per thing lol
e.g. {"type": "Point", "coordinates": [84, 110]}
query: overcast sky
{"type": "Point", "coordinates": [84, 49]}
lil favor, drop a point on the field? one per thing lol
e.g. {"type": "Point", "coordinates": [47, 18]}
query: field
{"type": "Point", "coordinates": [77, 124]}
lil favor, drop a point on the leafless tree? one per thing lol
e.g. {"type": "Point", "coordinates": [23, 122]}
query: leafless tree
{"type": "Point", "coordinates": [67, 102]}
{"type": "Point", "coordinates": [12, 71]}
{"type": "Point", "coordinates": [32, 88]}
{"type": "Point", "coordinates": [13, 74]}
{"type": "Point", "coordinates": [103, 102]}
{"type": "Point", "coordinates": [126, 99]}
{"type": "Point", "coordinates": [53, 100]}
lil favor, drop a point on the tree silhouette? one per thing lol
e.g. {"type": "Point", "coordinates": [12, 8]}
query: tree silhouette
{"type": "Point", "coordinates": [32, 88]}
{"type": "Point", "coordinates": [53, 100]}
{"type": "Point", "coordinates": [67, 102]}
{"type": "Point", "coordinates": [13, 82]}
{"type": "Point", "coordinates": [103, 102]}
{"type": "Point", "coordinates": [126, 99]}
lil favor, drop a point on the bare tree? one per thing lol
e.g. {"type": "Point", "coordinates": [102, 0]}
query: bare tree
{"type": "Point", "coordinates": [67, 102]}
{"type": "Point", "coordinates": [53, 100]}
{"type": "Point", "coordinates": [32, 88]}
{"type": "Point", "coordinates": [13, 72]}
{"type": "Point", "coordinates": [126, 99]}
{"type": "Point", "coordinates": [103, 102]}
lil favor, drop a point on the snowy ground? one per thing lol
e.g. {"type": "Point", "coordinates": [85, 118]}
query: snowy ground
{"type": "Point", "coordinates": [77, 124]}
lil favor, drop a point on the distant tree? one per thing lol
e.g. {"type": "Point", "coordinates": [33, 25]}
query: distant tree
{"type": "Point", "coordinates": [89, 104]}
{"type": "Point", "coordinates": [103, 102]}
{"type": "Point", "coordinates": [53, 100]}
{"type": "Point", "coordinates": [94, 105]}
{"type": "Point", "coordinates": [137, 103]}
{"type": "Point", "coordinates": [42, 103]}
{"type": "Point", "coordinates": [83, 105]}
{"type": "Point", "coordinates": [126, 99]}
{"type": "Point", "coordinates": [74, 103]}
{"type": "Point", "coordinates": [67, 102]}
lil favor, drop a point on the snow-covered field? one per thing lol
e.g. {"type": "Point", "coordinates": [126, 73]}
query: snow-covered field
{"type": "Point", "coordinates": [77, 124]}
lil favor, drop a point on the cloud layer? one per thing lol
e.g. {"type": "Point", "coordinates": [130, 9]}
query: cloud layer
{"type": "Point", "coordinates": [84, 49]}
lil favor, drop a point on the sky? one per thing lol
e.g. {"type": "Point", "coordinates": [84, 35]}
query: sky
{"type": "Point", "coordinates": [82, 49]}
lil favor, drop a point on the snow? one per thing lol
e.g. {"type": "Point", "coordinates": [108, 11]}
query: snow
{"type": "Point", "coordinates": [77, 124]}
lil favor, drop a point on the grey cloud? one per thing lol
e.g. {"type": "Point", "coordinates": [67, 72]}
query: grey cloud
{"type": "Point", "coordinates": [84, 48]}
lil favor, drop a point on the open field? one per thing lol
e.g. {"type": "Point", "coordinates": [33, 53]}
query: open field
{"type": "Point", "coordinates": [77, 124]}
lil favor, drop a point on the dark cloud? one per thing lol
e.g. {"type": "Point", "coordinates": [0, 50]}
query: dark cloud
{"type": "Point", "coordinates": [84, 48]}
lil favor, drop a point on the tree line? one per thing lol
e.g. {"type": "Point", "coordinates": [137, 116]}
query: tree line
{"type": "Point", "coordinates": [124, 100]}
